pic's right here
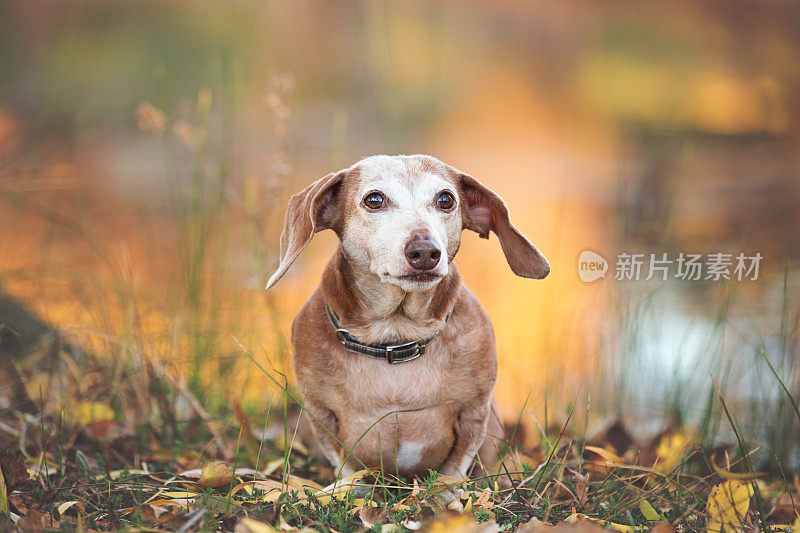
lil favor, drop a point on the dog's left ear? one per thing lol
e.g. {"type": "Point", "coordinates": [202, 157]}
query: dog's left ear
{"type": "Point", "coordinates": [313, 209]}
{"type": "Point", "coordinates": [482, 211]}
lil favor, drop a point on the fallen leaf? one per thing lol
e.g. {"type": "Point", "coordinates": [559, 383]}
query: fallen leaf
{"type": "Point", "coordinates": [416, 490]}
{"type": "Point", "coordinates": [5, 513]}
{"type": "Point", "coordinates": [172, 519]}
{"type": "Point", "coordinates": [37, 521]}
{"type": "Point", "coordinates": [672, 448]}
{"type": "Point", "coordinates": [151, 513]}
{"type": "Point", "coordinates": [727, 505]}
{"type": "Point", "coordinates": [446, 482]}
{"type": "Point", "coordinates": [650, 514]}
{"type": "Point", "coordinates": [606, 455]}
{"type": "Point", "coordinates": [299, 484]}
{"type": "Point", "coordinates": [64, 507]}
{"type": "Point", "coordinates": [579, 517]}
{"type": "Point", "coordinates": [19, 504]}
{"type": "Point", "coordinates": [12, 464]}
{"type": "Point", "coordinates": [173, 504]}
{"type": "Point", "coordinates": [463, 523]}
{"type": "Point", "coordinates": [582, 493]}
{"type": "Point", "coordinates": [116, 474]}
{"type": "Point", "coordinates": [177, 494]}
{"type": "Point", "coordinates": [251, 525]}
{"type": "Point", "coordinates": [84, 412]}
{"type": "Point", "coordinates": [341, 487]}
{"type": "Point", "coordinates": [661, 527]}
{"type": "Point", "coordinates": [468, 505]}
{"type": "Point", "coordinates": [215, 474]}
{"type": "Point", "coordinates": [370, 516]}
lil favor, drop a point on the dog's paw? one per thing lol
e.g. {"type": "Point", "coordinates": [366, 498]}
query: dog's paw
{"type": "Point", "coordinates": [448, 499]}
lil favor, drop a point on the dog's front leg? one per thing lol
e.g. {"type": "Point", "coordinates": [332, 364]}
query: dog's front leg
{"type": "Point", "coordinates": [325, 426]}
{"type": "Point", "coordinates": [470, 434]}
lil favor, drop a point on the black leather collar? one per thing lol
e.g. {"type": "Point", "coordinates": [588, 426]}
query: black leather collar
{"type": "Point", "coordinates": [392, 353]}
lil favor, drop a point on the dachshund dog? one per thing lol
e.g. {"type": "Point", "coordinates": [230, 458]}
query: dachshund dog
{"type": "Point", "coordinates": [393, 353]}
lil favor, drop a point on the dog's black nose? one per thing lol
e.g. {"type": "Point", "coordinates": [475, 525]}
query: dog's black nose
{"type": "Point", "coordinates": [423, 254]}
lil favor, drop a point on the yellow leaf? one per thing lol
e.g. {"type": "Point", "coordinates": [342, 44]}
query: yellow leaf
{"type": "Point", "coordinates": [182, 503]}
{"type": "Point", "coordinates": [215, 474]}
{"type": "Point", "coordinates": [484, 500]}
{"type": "Point", "coordinates": [449, 523]}
{"type": "Point", "coordinates": [116, 474]}
{"type": "Point", "coordinates": [672, 448]}
{"type": "Point", "coordinates": [4, 510]}
{"type": "Point", "coordinates": [727, 505]}
{"type": "Point", "coordinates": [261, 484]}
{"type": "Point", "coordinates": [182, 495]}
{"type": "Point", "coordinates": [606, 455]}
{"type": "Point", "coordinates": [299, 483]}
{"type": "Point", "coordinates": [66, 505]}
{"type": "Point", "coordinates": [578, 517]}
{"type": "Point", "coordinates": [446, 482]}
{"type": "Point", "coordinates": [86, 412]}
{"type": "Point", "coordinates": [296, 445]}
{"type": "Point", "coordinates": [650, 514]}
{"type": "Point", "coordinates": [361, 503]}
{"type": "Point", "coordinates": [251, 525]}
{"type": "Point", "coordinates": [341, 487]}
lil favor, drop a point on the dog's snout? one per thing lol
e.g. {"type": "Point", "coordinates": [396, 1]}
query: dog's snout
{"type": "Point", "coordinates": [423, 254]}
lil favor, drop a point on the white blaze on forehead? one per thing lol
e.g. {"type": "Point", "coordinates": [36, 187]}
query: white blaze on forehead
{"type": "Point", "coordinates": [410, 193]}
{"type": "Point", "coordinates": [402, 178]}
{"type": "Point", "coordinates": [410, 187]}
{"type": "Point", "coordinates": [407, 192]}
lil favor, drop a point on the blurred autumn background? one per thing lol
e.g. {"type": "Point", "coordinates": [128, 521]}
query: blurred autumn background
{"type": "Point", "coordinates": [148, 150]}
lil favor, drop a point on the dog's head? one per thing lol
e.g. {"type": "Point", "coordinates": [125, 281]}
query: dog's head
{"type": "Point", "coordinates": [400, 218]}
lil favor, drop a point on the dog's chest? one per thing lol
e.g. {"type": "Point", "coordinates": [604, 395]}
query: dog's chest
{"type": "Point", "coordinates": [374, 385]}
{"type": "Point", "coordinates": [405, 413]}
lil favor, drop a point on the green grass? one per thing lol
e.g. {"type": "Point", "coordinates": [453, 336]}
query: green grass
{"type": "Point", "coordinates": [106, 474]}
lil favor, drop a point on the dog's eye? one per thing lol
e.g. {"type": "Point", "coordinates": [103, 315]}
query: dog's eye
{"type": "Point", "coordinates": [445, 200]}
{"type": "Point", "coordinates": [374, 200]}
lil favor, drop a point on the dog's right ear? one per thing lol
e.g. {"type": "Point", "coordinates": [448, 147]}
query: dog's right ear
{"type": "Point", "coordinates": [313, 209]}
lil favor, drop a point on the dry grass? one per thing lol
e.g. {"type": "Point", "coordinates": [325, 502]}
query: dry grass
{"type": "Point", "coordinates": [155, 458]}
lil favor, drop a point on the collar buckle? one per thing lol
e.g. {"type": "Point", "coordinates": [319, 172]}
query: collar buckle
{"type": "Point", "coordinates": [417, 347]}
{"type": "Point", "coordinates": [342, 334]}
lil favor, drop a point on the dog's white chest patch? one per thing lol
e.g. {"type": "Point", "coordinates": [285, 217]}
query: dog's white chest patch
{"type": "Point", "coordinates": [409, 455]}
